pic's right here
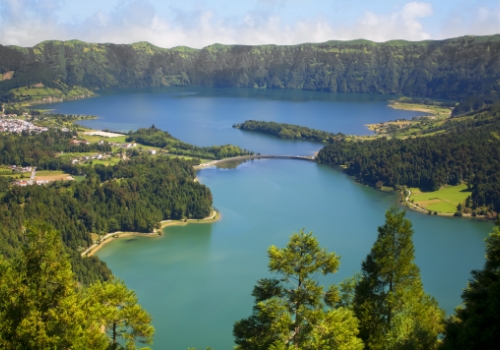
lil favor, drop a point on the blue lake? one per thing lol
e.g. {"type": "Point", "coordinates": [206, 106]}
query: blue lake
{"type": "Point", "coordinates": [197, 279]}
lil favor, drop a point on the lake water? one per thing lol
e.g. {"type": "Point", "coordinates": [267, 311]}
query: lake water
{"type": "Point", "coordinates": [197, 279]}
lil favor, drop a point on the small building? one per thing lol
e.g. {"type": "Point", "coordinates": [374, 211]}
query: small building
{"type": "Point", "coordinates": [152, 151]}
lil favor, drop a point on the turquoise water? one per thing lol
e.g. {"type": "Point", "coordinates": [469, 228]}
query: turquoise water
{"type": "Point", "coordinates": [197, 279]}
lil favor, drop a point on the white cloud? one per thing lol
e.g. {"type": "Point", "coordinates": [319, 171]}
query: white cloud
{"type": "Point", "coordinates": [479, 21]}
{"type": "Point", "coordinates": [403, 24]}
{"type": "Point", "coordinates": [133, 21]}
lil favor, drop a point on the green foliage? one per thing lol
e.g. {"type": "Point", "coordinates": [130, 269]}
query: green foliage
{"type": "Point", "coordinates": [468, 152]}
{"type": "Point", "coordinates": [117, 309]}
{"type": "Point", "coordinates": [39, 150]}
{"type": "Point", "coordinates": [288, 131]}
{"type": "Point", "coordinates": [453, 69]}
{"type": "Point", "coordinates": [130, 196]}
{"type": "Point", "coordinates": [393, 310]}
{"type": "Point", "coordinates": [158, 138]}
{"type": "Point", "coordinates": [295, 311]}
{"type": "Point", "coordinates": [42, 306]}
{"type": "Point", "coordinates": [476, 324]}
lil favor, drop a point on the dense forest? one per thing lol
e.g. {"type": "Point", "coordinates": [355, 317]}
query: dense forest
{"type": "Point", "coordinates": [158, 138]}
{"type": "Point", "coordinates": [130, 196]}
{"type": "Point", "coordinates": [288, 131]}
{"type": "Point", "coordinates": [465, 68]}
{"type": "Point", "coordinates": [468, 152]}
{"type": "Point", "coordinates": [42, 305]}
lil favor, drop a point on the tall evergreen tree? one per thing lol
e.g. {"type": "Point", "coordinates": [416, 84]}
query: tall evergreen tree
{"type": "Point", "coordinates": [476, 325]}
{"type": "Point", "coordinates": [40, 307]}
{"type": "Point", "coordinates": [389, 300]}
{"type": "Point", "coordinates": [295, 312]}
{"type": "Point", "coordinates": [43, 307]}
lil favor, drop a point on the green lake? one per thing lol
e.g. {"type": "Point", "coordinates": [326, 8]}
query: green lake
{"type": "Point", "coordinates": [197, 279]}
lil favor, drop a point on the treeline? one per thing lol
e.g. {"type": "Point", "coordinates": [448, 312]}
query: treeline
{"type": "Point", "coordinates": [130, 196]}
{"type": "Point", "coordinates": [469, 152]}
{"type": "Point", "coordinates": [158, 138]}
{"type": "Point", "coordinates": [453, 69]}
{"type": "Point", "coordinates": [289, 131]}
{"type": "Point", "coordinates": [384, 306]}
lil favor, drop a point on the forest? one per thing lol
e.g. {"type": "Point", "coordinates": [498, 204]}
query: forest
{"type": "Point", "coordinates": [465, 69]}
{"type": "Point", "coordinates": [129, 196]}
{"type": "Point", "coordinates": [467, 152]}
{"type": "Point", "coordinates": [289, 131]}
{"type": "Point", "coordinates": [158, 138]}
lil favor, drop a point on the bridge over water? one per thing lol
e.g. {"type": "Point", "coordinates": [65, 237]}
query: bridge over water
{"type": "Point", "coordinates": [258, 156]}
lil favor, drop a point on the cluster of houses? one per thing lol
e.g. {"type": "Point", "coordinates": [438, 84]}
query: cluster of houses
{"type": "Point", "coordinates": [23, 183]}
{"type": "Point", "coordinates": [20, 169]}
{"type": "Point", "coordinates": [8, 124]}
{"type": "Point", "coordinates": [85, 158]}
{"type": "Point", "coordinates": [79, 142]}
{"type": "Point", "coordinates": [122, 145]}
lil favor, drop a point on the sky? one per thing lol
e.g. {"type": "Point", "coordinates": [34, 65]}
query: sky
{"type": "Point", "coordinates": [198, 23]}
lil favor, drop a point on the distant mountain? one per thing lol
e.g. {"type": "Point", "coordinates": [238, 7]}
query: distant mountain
{"type": "Point", "coordinates": [465, 68]}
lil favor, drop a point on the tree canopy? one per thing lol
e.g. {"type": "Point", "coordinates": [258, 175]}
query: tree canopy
{"type": "Point", "coordinates": [295, 312]}
{"type": "Point", "coordinates": [476, 324]}
{"type": "Point", "coordinates": [43, 307]}
{"type": "Point", "coordinates": [393, 310]}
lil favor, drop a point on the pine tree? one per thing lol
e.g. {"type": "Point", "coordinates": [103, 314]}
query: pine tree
{"type": "Point", "coordinates": [40, 306]}
{"type": "Point", "coordinates": [295, 312]}
{"type": "Point", "coordinates": [389, 300]}
{"type": "Point", "coordinates": [43, 307]}
{"type": "Point", "coordinates": [476, 325]}
{"type": "Point", "coordinates": [117, 309]}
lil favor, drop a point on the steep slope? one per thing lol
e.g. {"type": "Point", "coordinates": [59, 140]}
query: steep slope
{"type": "Point", "coordinates": [455, 69]}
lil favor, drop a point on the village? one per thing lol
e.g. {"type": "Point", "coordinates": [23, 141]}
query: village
{"type": "Point", "coordinates": [10, 123]}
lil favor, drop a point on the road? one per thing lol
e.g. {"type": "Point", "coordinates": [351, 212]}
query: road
{"type": "Point", "coordinates": [260, 156]}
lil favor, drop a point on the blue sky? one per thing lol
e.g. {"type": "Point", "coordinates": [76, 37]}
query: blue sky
{"type": "Point", "coordinates": [198, 23]}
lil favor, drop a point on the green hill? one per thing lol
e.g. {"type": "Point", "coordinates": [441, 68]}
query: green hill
{"type": "Point", "coordinates": [453, 69]}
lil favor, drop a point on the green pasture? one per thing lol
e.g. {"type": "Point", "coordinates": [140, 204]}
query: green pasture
{"type": "Point", "coordinates": [443, 200]}
{"type": "Point", "coordinates": [49, 172]}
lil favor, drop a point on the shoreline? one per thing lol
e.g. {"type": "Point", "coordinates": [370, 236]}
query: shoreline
{"type": "Point", "coordinates": [157, 233]}
{"type": "Point", "coordinates": [404, 201]}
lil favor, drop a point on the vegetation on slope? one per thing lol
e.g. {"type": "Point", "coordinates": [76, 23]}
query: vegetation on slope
{"type": "Point", "coordinates": [467, 152]}
{"type": "Point", "coordinates": [464, 68]}
{"type": "Point", "coordinates": [43, 307]}
{"type": "Point", "coordinates": [130, 196]}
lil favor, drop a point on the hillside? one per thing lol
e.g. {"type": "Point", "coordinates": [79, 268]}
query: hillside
{"type": "Point", "coordinates": [465, 69]}
{"type": "Point", "coordinates": [466, 152]}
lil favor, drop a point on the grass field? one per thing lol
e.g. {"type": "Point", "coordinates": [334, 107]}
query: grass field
{"type": "Point", "coordinates": [49, 172]}
{"type": "Point", "coordinates": [444, 200]}
{"type": "Point", "coordinates": [108, 161]}
{"type": "Point", "coordinates": [79, 178]}
{"type": "Point", "coordinates": [18, 175]}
